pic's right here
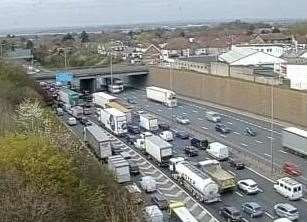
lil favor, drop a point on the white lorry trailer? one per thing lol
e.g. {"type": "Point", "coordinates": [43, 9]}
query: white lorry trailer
{"type": "Point", "coordinates": [101, 99]}
{"type": "Point", "coordinates": [202, 187]}
{"type": "Point", "coordinates": [149, 122]}
{"type": "Point", "coordinates": [120, 168]}
{"type": "Point", "coordinates": [157, 148]}
{"type": "Point", "coordinates": [179, 210]}
{"type": "Point", "coordinates": [98, 140]}
{"type": "Point", "coordinates": [164, 96]}
{"type": "Point", "coordinates": [295, 140]}
{"type": "Point", "coordinates": [153, 214]}
{"type": "Point", "coordinates": [77, 112]}
{"type": "Point", "coordinates": [218, 151]}
{"type": "Point", "coordinates": [114, 120]}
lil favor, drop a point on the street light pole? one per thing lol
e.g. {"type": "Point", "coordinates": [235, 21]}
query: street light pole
{"type": "Point", "coordinates": [272, 127]}
{"type": "Point", "coordinates": [171, 87]}
{"type": "Point", "coordinates": [111, 67]}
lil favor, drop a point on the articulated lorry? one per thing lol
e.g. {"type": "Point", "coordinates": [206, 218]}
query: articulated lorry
{"type": "Point", "coordinates": [164, 96]}
{"type": "Point", "coordinates": [149, 122]}
{"type": "Point", "coordinates": [114, 120]}
{"type": "Point", "coordinates": [101, 99]}
{"type": "Point", "coordinates": [295, 140]}
{"type": "Point", "coordinates": [224, 179]}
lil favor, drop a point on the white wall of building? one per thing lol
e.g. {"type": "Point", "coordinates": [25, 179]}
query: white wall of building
{"type": "Point", "coordinates": [274, 50]}
{"type": "Point", "coordinates": [298, 76]}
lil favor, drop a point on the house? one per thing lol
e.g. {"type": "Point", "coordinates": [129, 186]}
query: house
{"type": "Point", "coordinates": [152, 55]}
{"type": "Point", "coordinates": [300, 42]}
{"type": "Point", "coordinates": [176, 47]}
{"type": "Point", "coordinates": [273, 38]}
{"type": "Point", "coordinates": [276, 50]}
{"type": "Point", "coordinates": [250, 57]}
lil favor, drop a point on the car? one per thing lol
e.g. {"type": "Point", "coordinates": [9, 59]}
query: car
{"type": "Point", "coordinates": [133, 167]}
{"type": "Point", "coordinates": [286, 210]}
{"type": "Point", "coordinates": [284, 219]}
{"type": "Point", "coordinates": [72, 121]}
{"type": "Point", "coordinates": [213, 116]}
{"type": "Point", "coordinates": [182, 135]}
{"type": "Point", "coordinates": [248, 186]}
{"type": "Point", "coordinates": [140, 111]}
{"type": "Point", "coordinates": [191, 151]}
{"type": "Point", "coordinates": [160, 200]}
{"type": "Point", "coordinates": [167, 135]}
{"type": "Point", "coordinates": [85, 121]}
{"type": "Point", "coordinates": [133, 129]}
{"type": "Point", "coordinates": [230, 213]}
{"type": "Point", "coordinates": [249, 131]}
{"type": "Point", "coordinates": [130, 138]}
{"type": "Point", "coordinates": [131, 101]}
{"type": "Point", "coordinates": [163, 126]}
{"type": "Point", "coordinates": [236, 163]}
{"type": "Point", "coordinates": [291, 169]}
{"type": "Point", "coordinates": [253, 209]}
{"type": "Point", "coordinates": [222, 129]}
{"type": "Point", "coordinates": [182, 120]}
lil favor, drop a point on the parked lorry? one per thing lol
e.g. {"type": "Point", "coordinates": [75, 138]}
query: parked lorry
{"type": "Point", "coordinates": [101, 99]}
{"type": "Point", "coordinates": [68, 96]}
{"type": "Point", "coordinates": [148, 183]}
{"type": "Point", "coordinates": [98, 140]}
{"type": "Point", "coordinates": [164, 96]}
{"type": "Point", "coordinates": [114, 120]}
{"type": "Point", "coordinates": [224, 179]}
{"type": "Point", "coordinates": [178, 210]}
{"type": "Point", "coordinates": [77, 112]}
{"type": "Point", "coordinates": [149, 122]}
{"type": "Point", "coordinates": [197, 182]}
{"type": "Point", "coordinates": [153, 214]}
{"type": "Point", "coordinates": [160, 150]}
{"type": "Point", "coordinates": [218, 151]}
{"type": "Point", "coordinates": [120, 168]}
{"type": "Point", "coordinates": [295, 140]}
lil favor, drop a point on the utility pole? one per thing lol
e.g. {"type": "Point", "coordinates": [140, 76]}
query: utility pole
{"type": "Point", "coordinates": [65, 59]}
{"type": "Point", "coordinates": [111, 67]}
{"type": "Point", "coordinates": [272, 127]}
{"type": "Point", "coordinates": [171, 87]}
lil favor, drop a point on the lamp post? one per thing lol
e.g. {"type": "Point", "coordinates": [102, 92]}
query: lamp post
{"type": "Point", "coordinates": [171, 87]}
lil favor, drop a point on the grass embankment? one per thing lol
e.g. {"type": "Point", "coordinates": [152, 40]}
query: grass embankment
{"type": "Point", "coordinates": [45, 173]}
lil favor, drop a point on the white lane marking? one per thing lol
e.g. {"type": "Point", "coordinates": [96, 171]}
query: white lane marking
{"type": "Point", "coordinates": [269, 137]}
{"type": "Point", "coordinates": [258, 141]}
{"type": "Point", "coordinates": [159, 110]}
{"type": "Point", "coordinates": [205, 128]}
{"type": "Point", "coordinates": [269, 215]}
{"type": "Point", "coordinates": [267, 154]}
{"type": "Point", "coordinates": [236, 133]}
{"type": "Point", "coordinates": [184, 113]}
{"type": "Point", "coordinates": [233, 173]}
{"type": "Point", "coordinates": [303, 199]}
{"type": "Point", "coordinates": [243, 144]}
{"type": "Point", "coordinates": [239, 194]}
{"type": "Point", "coordinates": [259, 174]}
{"type": "Point", "coordinates": [222, 135]}
{"type": "Point", "coordinates": [230, 123]}
{"type": "Point", "coordinates": [195, 111]}
{"type": "Point", "coordinates": [200, 119]}
{"type": "Point", "coordinates": [282, 151]}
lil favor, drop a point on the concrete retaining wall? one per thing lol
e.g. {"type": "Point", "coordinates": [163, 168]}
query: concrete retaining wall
{"type": "Point", "coordinates": [290, 105]}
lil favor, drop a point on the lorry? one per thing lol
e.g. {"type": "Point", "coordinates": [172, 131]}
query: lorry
{"type": "Point", "coordinates": [114, 120]}
{"type": "Point", "coordinates": [224, 179]}
{"type": "Point", "coordinates": [202, 187]}
{"type": "Point", "coordinates": [125, 109]}
{"type": "Point", "coordinates": [77, 112]}
{"type": "Point", "coordinates": [99, 141]}
{"type": "Point", "coordinates": [101, 99]}
{"type": "Point", "coordinates": [148, 183]}
{"type": "Point", "coordinates": [164, 96]}
{"type": "Point", "coordinates": [295, 140]}
{"type": "Point", "coordinates": [178, 210]}
{"type": "Point", "coordinates": [167, 135]}
{"type": "Point", "coordinates": [153, 214]}
{"type": "Point", "coordinates": [68, 97]}
{"type": "Point", "coordinates": [149, 122]}
{"type": "Point", "coordinates": [158, 149]}
{"type": "Point", "coordinates": [200, 144]}
{"type": "Point", "coordinates": [218, 151]}
{"type": "Point", "coordinates": [120, 168]}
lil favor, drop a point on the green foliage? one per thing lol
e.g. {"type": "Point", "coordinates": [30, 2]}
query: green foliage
{"type": "Point", "coordinates": [84, 37]}
{"type": "Point", "coordinates": [299, 28]}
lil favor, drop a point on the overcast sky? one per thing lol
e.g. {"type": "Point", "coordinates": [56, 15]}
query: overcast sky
{"type": "Point", "coordinates": [53, 13]}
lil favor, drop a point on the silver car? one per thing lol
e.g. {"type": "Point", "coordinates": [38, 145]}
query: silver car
{"type": "Point", "coordinates": [286, 210]}
{"type": "Point", "coordinates": [182, 120]}
{"type": "Point", "coordinates": [253, 209]}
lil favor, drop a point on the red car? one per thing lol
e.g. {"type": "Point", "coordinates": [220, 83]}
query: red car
{"type": "Point", "coordinates": [291, 169]}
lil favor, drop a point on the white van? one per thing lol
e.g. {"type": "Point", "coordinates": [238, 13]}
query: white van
{"type": "Point", "coordinates": [213, 116]}
{"type": "Point", "coordinates": [218, 151]}
{"type": "Point", "coordinates": [289, 188]}
{"type": "Point", "coordinates": [167, 136]}
{"type": "Point", "coordinates": [148, 183]}
{"type": "Point", "coordinates": [72, 121]}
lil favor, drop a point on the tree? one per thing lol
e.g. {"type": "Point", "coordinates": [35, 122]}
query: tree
{"type": "Point", "coordinates": [275, 30]}
{"type": "Point", "coordinates": [84, 37]}
{"type": "Point", "coordinates": [68, 37]}
{"type": "Point", "coordinates": [29, 44]}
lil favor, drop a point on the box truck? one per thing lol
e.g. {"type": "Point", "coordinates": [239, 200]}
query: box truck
{"type": "Point", "coordinates": [68, 96]}
{"type": "Point", "coordinates": [100, 99]}
{"type": "Point", "coordinates": [125, 109]}
{"type": "Point", "coordinates": [164, 96]}
{"type": "Point", "coordinates": [160, 150]}
{"type": "Point", "coordinates": [181, 212]}
{"type": "Point", "coordinates": [98, 140]}
{"type": "Point", "coordinates": [114, 120]}
{"type": "Point", "coordinates": [77, 112]}
{"type": "Point", "coordinates": [120, 168]}
{"type": "Point", "coordinates": [295, 140]}
{"type": "Point", "coordinates": [149, 122]}
{"type": "Point", "coordinates": [218, 151]}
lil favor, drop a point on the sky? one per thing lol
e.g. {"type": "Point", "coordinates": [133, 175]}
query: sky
{"type": "Point", "coordinates": [66, 13]}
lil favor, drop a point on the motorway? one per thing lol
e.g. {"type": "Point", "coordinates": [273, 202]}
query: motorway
{"type": "Point", "coordinates": [258, 146]}
{"type": "Point", "coordinates": [172, 191]}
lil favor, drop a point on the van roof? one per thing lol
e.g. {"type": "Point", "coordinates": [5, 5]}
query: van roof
{"type": "Point", "coordinates": [289, 181]}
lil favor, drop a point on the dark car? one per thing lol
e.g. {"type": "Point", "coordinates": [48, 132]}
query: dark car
{"type": "Point", "coordinates": [133, 167]}
{"type": "Point", "coordinates": [191, 151]}
{"type": "Point", "coordinates": [249, 131]}
{"type": "Point", "coordinates": [230, 213]}
{"type": "Point", "coordinates": [222, 128]}
{"type": "Point", "coordinates": [85, 121]}
{"type": "Point", "coordinates": [130, 138]}
{"type": "Point", "coordinates": [164, 126]}
{"type": "Point", "coordinates": [159, 200]}
{"type": "Point", "coordinates": [133, 129]}
{"type": "Point", "coordinates": [182, 135]}
{"type": "Point", "coordinates": [236, 163]}
{"type": "Point", "coordinates": [200, 144]}
{"type": "Point", "coordinates": [131, 101]}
